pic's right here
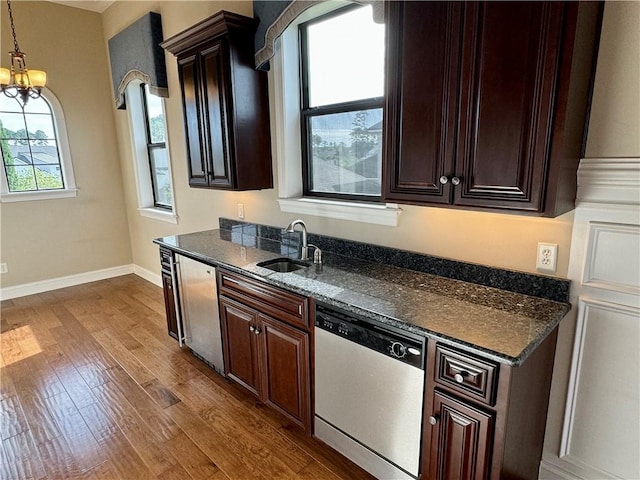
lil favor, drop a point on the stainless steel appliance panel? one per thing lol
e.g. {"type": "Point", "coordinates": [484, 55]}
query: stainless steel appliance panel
{"type": "Point", "coordinates": [372, 398]}
{"type": "Point", "coordinates": [200, 314]}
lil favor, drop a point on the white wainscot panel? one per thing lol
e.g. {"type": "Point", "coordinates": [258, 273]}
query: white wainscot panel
{"type": "Point", "coordinates": [613, 257]}
{"type": "Point", "coordinates": [602, 418]}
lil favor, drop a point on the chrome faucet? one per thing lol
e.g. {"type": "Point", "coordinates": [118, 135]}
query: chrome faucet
{"type": "Point", "coordinates": [304, 253]}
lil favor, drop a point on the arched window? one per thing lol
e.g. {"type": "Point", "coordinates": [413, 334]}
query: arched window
{"type": "Point", "coordinates": [36, 161]}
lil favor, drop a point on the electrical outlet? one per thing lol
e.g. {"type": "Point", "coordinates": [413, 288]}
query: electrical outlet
{"type": "Point", "coordinates": [240, 211]}
{"type": "Point", "coordinates": [3, 268]}
{"type": "Point", "coordinates": [547, 257]}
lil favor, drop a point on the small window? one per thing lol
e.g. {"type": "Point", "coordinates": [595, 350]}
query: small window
{"type": "Point", "coordinates": [35, 158]}
{"type": "Point", "coordinates": [342, 67]}
{"type": "Point", "coordinates": [157, 149]}
{"type": "Point", "coordinates": [151, 153]}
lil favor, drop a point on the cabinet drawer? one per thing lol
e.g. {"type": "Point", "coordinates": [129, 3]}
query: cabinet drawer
{"type": "Point", "coordinates": [166, 258]}
{"type": "Point", "coordinates": [471, 376]}
{"type": "Point", "coordinates": [273, 301]}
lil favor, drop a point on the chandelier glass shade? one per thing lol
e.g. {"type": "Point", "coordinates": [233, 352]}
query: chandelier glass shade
{"type": "Point", "coordinates": [18, 81]}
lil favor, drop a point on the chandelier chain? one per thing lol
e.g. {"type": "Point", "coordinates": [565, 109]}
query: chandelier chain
{"type": "Point", "coordinates": [13, 28]}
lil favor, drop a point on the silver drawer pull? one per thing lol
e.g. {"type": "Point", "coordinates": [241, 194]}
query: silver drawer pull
{"type": "Point", "coordinates": [459, 377]}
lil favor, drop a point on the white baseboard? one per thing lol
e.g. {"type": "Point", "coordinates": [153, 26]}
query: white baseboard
{"type": "Point", "coordinates": [25, 289]}
{"type": "Point", "coordinates": [148, 275]}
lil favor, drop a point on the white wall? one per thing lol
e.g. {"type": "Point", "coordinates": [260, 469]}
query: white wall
{"type": "Point", "coordinates": [614, 132]}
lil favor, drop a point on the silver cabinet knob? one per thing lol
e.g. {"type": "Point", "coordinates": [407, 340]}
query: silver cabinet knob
{"type": "Point", "coordinates": [252, 328]}
{"type": "Point", "coordinates": [433, 419]}
{"type": "Point", "coordinates": [459, 377]}
{"type": "Point", "coordinates": [257, 331]}
{"type": "Point", "coordinates": [454, 180]}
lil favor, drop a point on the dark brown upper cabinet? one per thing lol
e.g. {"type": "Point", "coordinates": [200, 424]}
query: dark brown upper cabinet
{"type": "Point", "coordinates": [225, 104]}
{"type": "Point", "coordinates": [487, 103]}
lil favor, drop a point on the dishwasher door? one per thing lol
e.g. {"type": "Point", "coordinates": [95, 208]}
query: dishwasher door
{"type": "Point", "coordinates": [368, 397]}
{"type": "Point", "coordinates": [200, 314]}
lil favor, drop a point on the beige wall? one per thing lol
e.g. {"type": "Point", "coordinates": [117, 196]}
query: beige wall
{"type": "Point", "coordinates": [614, 130]}
{"type": "Point", "coordinates": [494, 239]}
{"type": "Point", "coordinates": [501, 240]}
{"type": "Point", "coordinates": [53, 238]}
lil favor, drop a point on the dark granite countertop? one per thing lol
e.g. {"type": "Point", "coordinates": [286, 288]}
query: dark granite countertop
{"type": "Point", "coordinates": [495, 323]}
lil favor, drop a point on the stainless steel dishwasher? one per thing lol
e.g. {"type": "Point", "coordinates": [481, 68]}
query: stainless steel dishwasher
{"type": "Point", "coordinates": [369, 388]}
{"type": "Point", "coordinates": [200, 329]}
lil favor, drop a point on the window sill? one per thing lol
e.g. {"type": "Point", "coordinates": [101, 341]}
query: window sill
{"type": "Point", "coordinates": [42, 195]}
{"type": "Point", "coordinates": [383, 214]}
{"type": "Point", "coordinates": [159, 214]}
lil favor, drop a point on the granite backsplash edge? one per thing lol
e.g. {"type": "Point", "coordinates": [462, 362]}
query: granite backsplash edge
{"type": "Point", "coordinates": [550, 288]}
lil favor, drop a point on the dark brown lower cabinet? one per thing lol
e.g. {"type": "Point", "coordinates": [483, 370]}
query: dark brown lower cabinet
{"type": "Point", "coordinates": [460, 439]}
{"type": "Point", "coordinates": [485, 420]}
{"type": "Point", "coordinates": [241, 352]}
{"type": "Point", "coordinates": [167, 261]}
{"type": "Point", "coordinates": [170, 304]}
{"type": "Point", "coordinates": [268, 357]}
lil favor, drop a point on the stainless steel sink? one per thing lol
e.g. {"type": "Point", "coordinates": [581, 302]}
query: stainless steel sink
{"type": "Point", "coordinates": [283, 265]}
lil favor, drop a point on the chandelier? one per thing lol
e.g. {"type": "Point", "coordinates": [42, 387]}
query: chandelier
{"type": "Point", "coordinates": [18, 81]}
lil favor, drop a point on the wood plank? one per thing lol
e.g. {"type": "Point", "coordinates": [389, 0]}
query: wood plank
{"type": "Point", "coordinates": [79, 409]}
{"type": "Point", "coordinates": [99, 421]}
{"type": "Point", "coordinates": [12, 418]}
{"type": "Point", "coordinates": [21, 458]}
{"type": "Point", "coordinates": [73, 383]}
{"type": "Point", "coordinates": [57, 459]}
{"type": "Point", "coordinates": [191, 458]}
{"type": "Point", "coordinates": [162, 395]}
{"type": "Point", "coordinates": [7, 389]}
{"type": "Point", "coordinates": [126, 462]}
{"type": "Point", "coordinates": [145, 407]}
{"type": "Point", "coordinates": [123, 356]}
{"type": "Point", "coordinates": [84, 447]}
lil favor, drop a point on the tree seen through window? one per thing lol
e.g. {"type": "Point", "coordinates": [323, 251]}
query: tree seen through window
{"type": "Point", "coordinates": [29, 146]}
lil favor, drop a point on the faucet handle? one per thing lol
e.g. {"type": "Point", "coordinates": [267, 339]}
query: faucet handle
{"type": "Point", "coordinates": [317, 254]}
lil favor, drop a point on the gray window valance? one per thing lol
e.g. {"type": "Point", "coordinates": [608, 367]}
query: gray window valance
{"type": "Point", "coordinates": [275, 16]}
{"type": "Point", "coordinates": [135, 54]}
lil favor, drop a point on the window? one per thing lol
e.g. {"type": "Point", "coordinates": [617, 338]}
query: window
{"type": "Point", "coordinates": [151, 155]}
{"type": "Point", "coordinates": [342, 69]}
{"type": "Point", "coordinates": [157, 149]}
{"type": "Point", "coordinates": [36, 162]}
{"type": "Point", "coordinates": [285, 97]}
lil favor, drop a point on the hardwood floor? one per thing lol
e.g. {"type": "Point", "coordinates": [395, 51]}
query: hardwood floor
{"type": "Point", "coordinates": [91, 386]}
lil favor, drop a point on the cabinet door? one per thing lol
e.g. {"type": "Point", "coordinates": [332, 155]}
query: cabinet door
{"type": "Point", "coordinates": [241, 354]}
{"type": "Point", "coordinates": [285, 353]}
{"type": "Point", "coordinates": [510, 57]}
{"type": "Point", "coordinates": [460, 440]}
{"type": "Point", "coordinates": [189, 72]}
{"type": "Point", "coordinates": [219, 126]}
{"type": "Point", "coordinates": [420, 112]}
{"type": "Point", "coordinates": [170, 304]}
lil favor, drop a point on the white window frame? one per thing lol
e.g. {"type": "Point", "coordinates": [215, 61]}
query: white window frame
{"type": "Point", "coordinates": [64, 153]}
{"type": "Point", "coordinates": [142, 168]}
{"type": "Point", "coordinates": [284, 94]}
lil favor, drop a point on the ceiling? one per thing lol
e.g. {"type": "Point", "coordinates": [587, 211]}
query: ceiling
{"type": "Point", "coordinates": [93, 5]}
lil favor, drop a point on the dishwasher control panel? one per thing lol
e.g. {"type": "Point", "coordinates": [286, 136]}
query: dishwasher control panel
{"type": "Point", "coordinates": [402, 346]}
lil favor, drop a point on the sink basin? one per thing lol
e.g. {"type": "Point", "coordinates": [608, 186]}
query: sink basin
{"type": "Point", "coordinates": [283, 265]}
